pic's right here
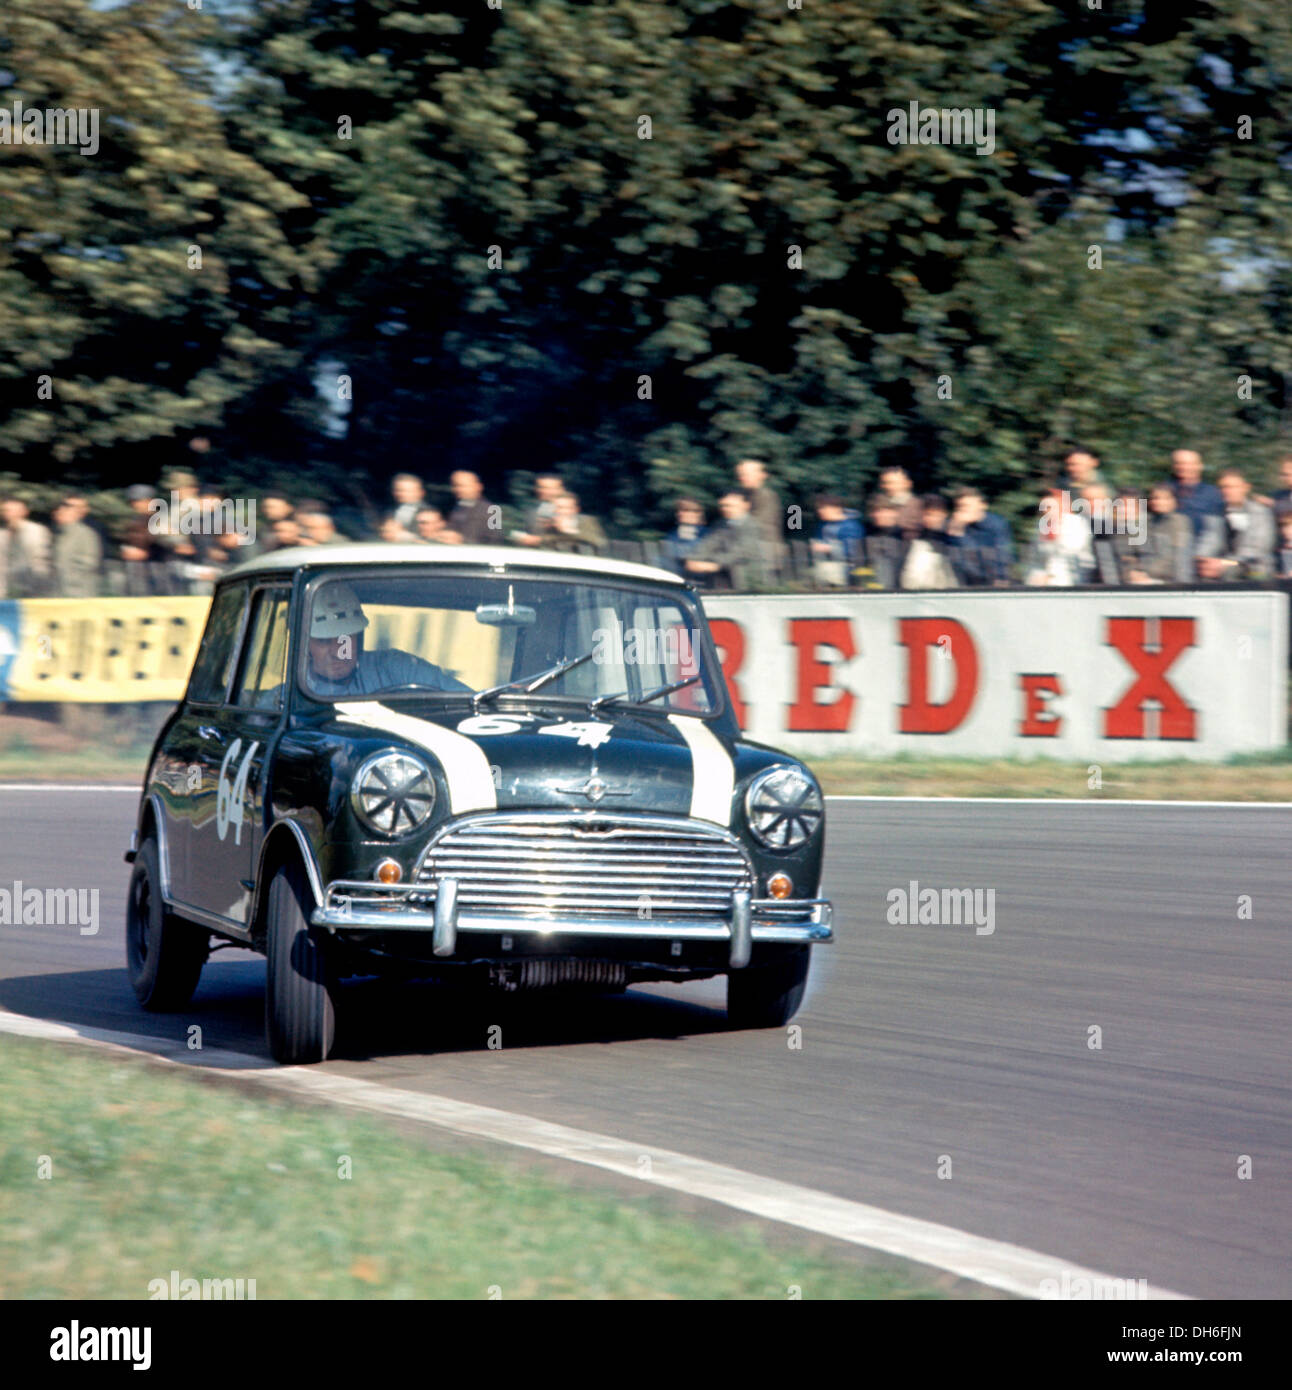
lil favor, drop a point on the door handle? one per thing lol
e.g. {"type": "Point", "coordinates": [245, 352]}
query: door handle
{"type": "Point", "coordinates": [210, 731]}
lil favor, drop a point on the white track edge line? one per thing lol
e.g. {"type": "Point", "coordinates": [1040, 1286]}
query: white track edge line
{"type": "Point", "coordinates": [1064, 801]}
{"type": "Point", "coordinates": [70, 787]}
{"type": "Point", "coordinates": [1010, 1268]}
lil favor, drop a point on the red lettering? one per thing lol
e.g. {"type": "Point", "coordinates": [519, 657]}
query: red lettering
{"type": "Point", "coordinates": [952, 642]}
{"type": "Point", "coordinates": [807, 714]}
{"type": "Point", "coordinates": [687, 664]}
{"type": "Point", "coordinates": [729, 638]}
{"type": "Point", "coordinates": [1037, 721]}
{"type": "Point", "coordinates": [1150, 646]}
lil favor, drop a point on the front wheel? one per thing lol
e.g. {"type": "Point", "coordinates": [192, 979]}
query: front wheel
{"type": "Point", "coordinates": [164, 954]}
{"type": "Point", "coordinates": [301, 986]}
{"type": "Point", "coordinates": [768, 991]}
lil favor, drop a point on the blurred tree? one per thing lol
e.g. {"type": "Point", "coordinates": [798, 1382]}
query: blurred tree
{"type": "Point", "coordinates": [637, 242]}
{"type": "Point", "coordinates": [151, 281]}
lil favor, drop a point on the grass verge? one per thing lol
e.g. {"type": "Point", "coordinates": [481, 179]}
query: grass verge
{"type": "Point", "coordinates": [106, 766]}
{"type": "Point", "coordinates": [153, 1172]}
{"type": "Point", "coordinates": [1263, 778]}
{"type": "Point", "coordinates": [32, 751]}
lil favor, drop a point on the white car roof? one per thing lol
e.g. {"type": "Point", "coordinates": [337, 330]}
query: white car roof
{"type": "Point", "coordinates": [490, 557]}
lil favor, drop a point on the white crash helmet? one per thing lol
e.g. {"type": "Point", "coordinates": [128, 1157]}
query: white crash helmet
{"type": "Point", "coordinates": [336, 612]}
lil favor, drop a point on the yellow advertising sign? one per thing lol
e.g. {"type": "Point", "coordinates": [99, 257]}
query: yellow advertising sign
{"type": "Point", "coordinates": [104, 650]}
{"type": "Point", "coordinates": [116, 650]}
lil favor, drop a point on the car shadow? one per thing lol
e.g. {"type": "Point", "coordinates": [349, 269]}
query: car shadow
{"type": "Point", "coordinates": [376, 1017]}
{"type": "Point", "coordinates": [382, 1017]}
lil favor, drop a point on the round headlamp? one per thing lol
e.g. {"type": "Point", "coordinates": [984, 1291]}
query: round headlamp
{"type": "Point", "coordinates": [783, 807]}
{"type": "Point", "coordinates": [393, 793]}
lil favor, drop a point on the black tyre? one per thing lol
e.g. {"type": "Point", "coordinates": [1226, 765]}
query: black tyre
{"type": "Point", "coordinates": [164, 954]}
{"type": "Point", "coordinates": [300, 988]}
{"type": "Point", "coordinates": [768, 991]}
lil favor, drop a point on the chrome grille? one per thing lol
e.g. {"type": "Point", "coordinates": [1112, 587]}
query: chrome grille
{"type": "Point", "coordinates": [590, 865]}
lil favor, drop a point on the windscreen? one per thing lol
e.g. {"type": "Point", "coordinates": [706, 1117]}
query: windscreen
{"type": "Point", "coordinates": [435, 635]}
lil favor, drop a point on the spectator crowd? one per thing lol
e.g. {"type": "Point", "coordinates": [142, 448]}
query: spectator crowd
{"type": "Point", "coordinates": [1184, 529]}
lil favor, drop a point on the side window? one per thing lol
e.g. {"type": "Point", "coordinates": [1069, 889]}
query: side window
{"type": "Point", "coordinates": [264, 663]}
{"type": "Point", "coordinates": [219, 648]}
{"type": "Point", "coordinates": [668, 650]}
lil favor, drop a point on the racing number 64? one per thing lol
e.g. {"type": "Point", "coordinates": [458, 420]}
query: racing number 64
{"type": "Point", "coordinates": [228, 797]}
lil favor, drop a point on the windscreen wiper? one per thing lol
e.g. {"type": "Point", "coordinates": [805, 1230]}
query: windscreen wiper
{"type": "Point", "coordinates": [603, 700]}
{"type": "Point", "coordinates": [529, 684]}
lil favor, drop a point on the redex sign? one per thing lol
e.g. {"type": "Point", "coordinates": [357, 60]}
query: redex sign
{"type": "Point", "coordinates": [1101, 676]}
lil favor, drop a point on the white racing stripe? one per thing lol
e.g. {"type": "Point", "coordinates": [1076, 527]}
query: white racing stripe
{"type": "Point", "coordinates": [466, 769]}
{"type": "Point", "coordinates": [1011, 1268]}
{"type": "Point", "coordinates": [713, 774]}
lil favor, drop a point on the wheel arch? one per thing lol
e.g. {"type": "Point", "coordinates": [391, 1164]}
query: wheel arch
{"type": "Point", "coordinates": [285, 842]}
{"type": "Point", "coordinates": [152, 822]}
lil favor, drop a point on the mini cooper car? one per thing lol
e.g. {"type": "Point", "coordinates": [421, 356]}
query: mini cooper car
{"type": "Point", "coordinates": [513, 766]}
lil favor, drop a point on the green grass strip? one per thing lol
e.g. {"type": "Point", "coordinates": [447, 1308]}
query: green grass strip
{"type": "Point", "coordinates": [151, 1172]}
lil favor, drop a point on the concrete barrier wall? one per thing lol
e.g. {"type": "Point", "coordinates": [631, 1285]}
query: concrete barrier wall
{"type": "Point", "coordinates": [1104, 676]}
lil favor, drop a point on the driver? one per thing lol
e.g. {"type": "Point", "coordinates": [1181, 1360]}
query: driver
{"type": "Point", "coordinates": [339, 665]}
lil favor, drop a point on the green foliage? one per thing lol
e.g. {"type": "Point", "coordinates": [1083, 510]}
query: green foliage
{"type": "Point", "coordinates": [98, 290]}
{"type": "Point", "coordinates": [351, 169]}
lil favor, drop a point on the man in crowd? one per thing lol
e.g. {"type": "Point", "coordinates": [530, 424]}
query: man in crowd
{"type": "Point", "coordinates": [317, 526]}
{"type": "Point", "coordinates": [273, 507]}
{"type": "Point", "coordinates": [1080, 471]}
{"type": "Point", "coordinates": [408, 494]}
{"type": "Point", "coordinates": [1166, 557]}
{"type": "Point", "coordinates": [471, 516]}
{"type": "Point", "coordinates": [392, 532]}
{"type": "Point", "coordinates": [767, 513]}
{"type": "Point", "coordinates": [571, 532]}
{"type": "Point", "coordinates": [885, 542]}
{"type": "Point", "coordinates": [1130, 535]}
{"type": "Point", "coordinates": [285, 533]}
{"type": "Point", "coordinates": [925, 562]}
{"type": "Point", "coordinates": [1100, 517]}
{"type": "Point", "coordinates": [895, 484]}
{"type": "Point", "coordinates": [982, 549]}
{"type": "Point", "coordinates": [541, 514]}
{"type": "Point", "coordinates": [732, 555]}
{"type": "Point", "coordinates": [432, 529]}
{"type": "Point", "coordinates": [26, 569]}
{"type": "Point", "coordinates": [1283, 556]}
{"type": "Point", "coordinates": [195, 570]}
{"type": "Point", "coordinates": [1062, 556]}
{"type": "Point", "coordinates": [78, 550]}
{"type": "Point", "coordinates": [182, 547]}
{"type": "Point", "coordinates": [685, 536]}
{"type": "Point", "coordinates": [1239, 544]}
{"type": "Point", "coordinates": [1283, 497]}
{"type": "Point", "coordinates": [838, 544]}
{"type": "Point", "coordinates": [1195, 499]}
{"type": "Point", "coordinates": [145, 558]}
{"type": "Point", "coordinates": [935, 516]}
{"type": "Point", "coordinates": [229, 548]}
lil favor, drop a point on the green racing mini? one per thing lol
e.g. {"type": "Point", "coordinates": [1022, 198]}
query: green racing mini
{"type": "Point", "coordinates": [467, 761]}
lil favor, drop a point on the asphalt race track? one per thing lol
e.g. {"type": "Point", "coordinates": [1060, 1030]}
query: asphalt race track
{"type": "Point", "coordinates": [917, 1041]}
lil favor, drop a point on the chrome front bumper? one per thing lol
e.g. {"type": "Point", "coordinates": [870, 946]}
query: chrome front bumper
{"type": "Point", "coordinates": [358, 905]}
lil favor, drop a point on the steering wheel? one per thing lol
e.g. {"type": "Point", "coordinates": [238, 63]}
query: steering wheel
{"type": "Point", "coordinates": [417, 685]}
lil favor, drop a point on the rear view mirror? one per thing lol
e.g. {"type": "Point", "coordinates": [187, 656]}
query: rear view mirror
{"type": "Point", "coordinates": [506, 615]}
